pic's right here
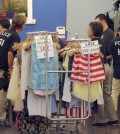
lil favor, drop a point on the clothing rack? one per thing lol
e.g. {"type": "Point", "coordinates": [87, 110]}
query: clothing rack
{"type": "Point", "coordinates": [89, 107]}
{"type": "Point", "coordinates": [46, 33]}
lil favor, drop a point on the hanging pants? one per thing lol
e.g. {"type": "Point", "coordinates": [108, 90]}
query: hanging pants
{"type": "Point", "coordinates": [3, 101]}
{"type": "Point", "coordinates": [108, 101]}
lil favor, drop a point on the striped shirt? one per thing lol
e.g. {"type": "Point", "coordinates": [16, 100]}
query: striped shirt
{"type": "Point", "coordinates": [81, 64]}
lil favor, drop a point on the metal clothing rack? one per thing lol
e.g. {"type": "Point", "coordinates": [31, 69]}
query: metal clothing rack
{"type": "Point", "coordinates": [47, 72]}
{"type": "Point", "coordinates": [46, 33]}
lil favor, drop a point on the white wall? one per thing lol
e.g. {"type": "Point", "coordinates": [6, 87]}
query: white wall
{"type": "Point", "coordinates": [81, 12]}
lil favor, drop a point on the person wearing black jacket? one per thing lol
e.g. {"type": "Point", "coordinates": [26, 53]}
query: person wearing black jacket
{"type": "Point", "coordinates": [107, 35]}
{"type": "Point", "coordinates": [7, 39]}
{"type": "Point", "coordinates": [95, 32]}
{"type": "Point", "coordinates": [115, 53]}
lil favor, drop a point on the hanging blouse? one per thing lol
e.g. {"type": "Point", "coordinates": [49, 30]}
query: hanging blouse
{"type": "Point", "coordinates": [25, 70]}
{"type": "Point", "coordinates": [38, 72]}
{"type": "Point", "coordinates": [80, 91]}
{"type": "Point", "coordinates": [81, 64]}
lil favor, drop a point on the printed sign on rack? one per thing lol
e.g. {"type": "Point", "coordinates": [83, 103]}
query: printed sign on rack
{"type": "Point", "coordinates": [90, 47]}
{"type": "Point", "coordinates": [41, 46]}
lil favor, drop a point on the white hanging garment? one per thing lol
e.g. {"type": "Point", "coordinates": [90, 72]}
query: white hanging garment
{"type": "Point", "coordinates": [14, 82]}
{"type": "Point", "coordinates": [37, 105]}
{"type": "Point", "coordinates": [25, 70]}
{"type": "Point", "coordinates": [66, 91]}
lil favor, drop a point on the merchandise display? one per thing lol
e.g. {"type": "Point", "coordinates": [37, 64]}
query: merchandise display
{"type": "Point", "coordinates": [30, 73]}
{"type": "Point", "coordinates": [58, 82]}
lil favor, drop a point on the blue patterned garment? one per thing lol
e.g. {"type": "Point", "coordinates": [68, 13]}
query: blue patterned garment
{"type": "Point", "coordinates": [37, 81]}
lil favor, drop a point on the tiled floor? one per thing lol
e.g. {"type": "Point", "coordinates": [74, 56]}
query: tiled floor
{"type": "Point", "coordinates": [87, 130]}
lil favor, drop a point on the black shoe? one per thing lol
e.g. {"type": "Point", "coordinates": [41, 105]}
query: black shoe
{"type": "Point", "coordinates": [4, 125]}
{"type": "Point", "coordinates": [99, 124]}
{"type": "Point", "coordinates": [113, 123]}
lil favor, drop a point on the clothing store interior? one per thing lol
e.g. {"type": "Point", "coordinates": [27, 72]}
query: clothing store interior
{"type": "Point", "coordinates": [59, 67]}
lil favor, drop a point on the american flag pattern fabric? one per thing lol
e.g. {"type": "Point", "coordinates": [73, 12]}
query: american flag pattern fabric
{"type": "Point", "coordinates": [76, 112]}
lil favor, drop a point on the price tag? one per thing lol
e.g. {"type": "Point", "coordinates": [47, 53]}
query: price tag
{"type": "Point", "coordinates": [90, 47]}
{"type": "Point", "coordinates": [40, 46]}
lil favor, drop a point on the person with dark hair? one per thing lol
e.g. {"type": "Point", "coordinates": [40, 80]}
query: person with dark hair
{"type": "Point", "coordinates": [96, 29]}
{"type": "Point", "coordinates": [4, 24]}
{"type": "Point", "coordinates": [95, 32]}
{"type": "Point", "coordinates": [7, 39]}
{"type": "Point", "coordinates": [107, 37]}
{"type": "Point", "coordinates": [108, 34]}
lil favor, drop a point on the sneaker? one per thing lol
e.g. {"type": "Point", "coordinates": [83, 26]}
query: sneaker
{"type": "Point", "coordinates": [99, 124]}
{"type": "Point", "coordinates": [113, 123]}
{"type": "Point", "coordinates": [4, 125]}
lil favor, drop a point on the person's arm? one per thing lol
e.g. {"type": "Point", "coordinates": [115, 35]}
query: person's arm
{"type": "Point", "coordinates": [101, 55]}
{"type": "Point", "coordinates": [110, 47]}
{"type": "Point", "coordinates": [111, 50]}
{"type": "Point", "coordinates": [10, 61]}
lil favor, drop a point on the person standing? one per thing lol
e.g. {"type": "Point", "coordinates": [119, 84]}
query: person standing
{"type": "Point", "coordinates": [7, 39]}
{"type": "Point", "coordinates": [107, 37]}
{"type": "Point", "coordinates": [115, 53]}
{"type": "Point", "coordinates": [4, 25]}
{"type": "Point", "coordinates": [108, 34]}
{"type": "Point", "coordinates": [95, 31]}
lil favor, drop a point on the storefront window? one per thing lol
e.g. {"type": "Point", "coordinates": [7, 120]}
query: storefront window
{"type": "Point", "coordinates": [9, 8]}
{"type": "Point", "coordinates": [16, 6]}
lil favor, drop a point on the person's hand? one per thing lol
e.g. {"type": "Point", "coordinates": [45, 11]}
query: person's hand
{"type": "Point", "coordinates": [101, 55]}
{"type": "Point", "coordinates": [109, 57]}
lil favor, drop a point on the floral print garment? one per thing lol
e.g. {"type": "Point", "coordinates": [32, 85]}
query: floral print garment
{"type": "Point", "coordinates": [31, 125]}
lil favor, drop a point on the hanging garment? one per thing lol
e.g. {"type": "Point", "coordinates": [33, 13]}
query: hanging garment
{"type": "Point", "coordinates": [43, 93]}
{"type": "Point", "coordinates": [18, 102]}
{"type": "Point", "coordinates": [14, 82]}
{"type": "Point", "coordinates": [67, 84]}
{"type": "Point", "coordinates": [80, 90]}
{"type": "Point", "coordinates": [65, 63]}
{"type": "Point", "coordinates": [38, 73]}
{"type": "Point", "coordinates": [26, 74]}
{"type": "Point", "coordinates": [77, 108]}
{"type": "Point", "coordinates": [25, 70]}
{"type": "Point", "coordinates": [31, 124]}
{"type": "Point", "coordinates": [66, 91]}
{"type": "Point", "coordinates": [37, 105]}
{"type": "Point", "coordinates": [76, 112]}
{"type": "Point", "coordinates": [81, 64]}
